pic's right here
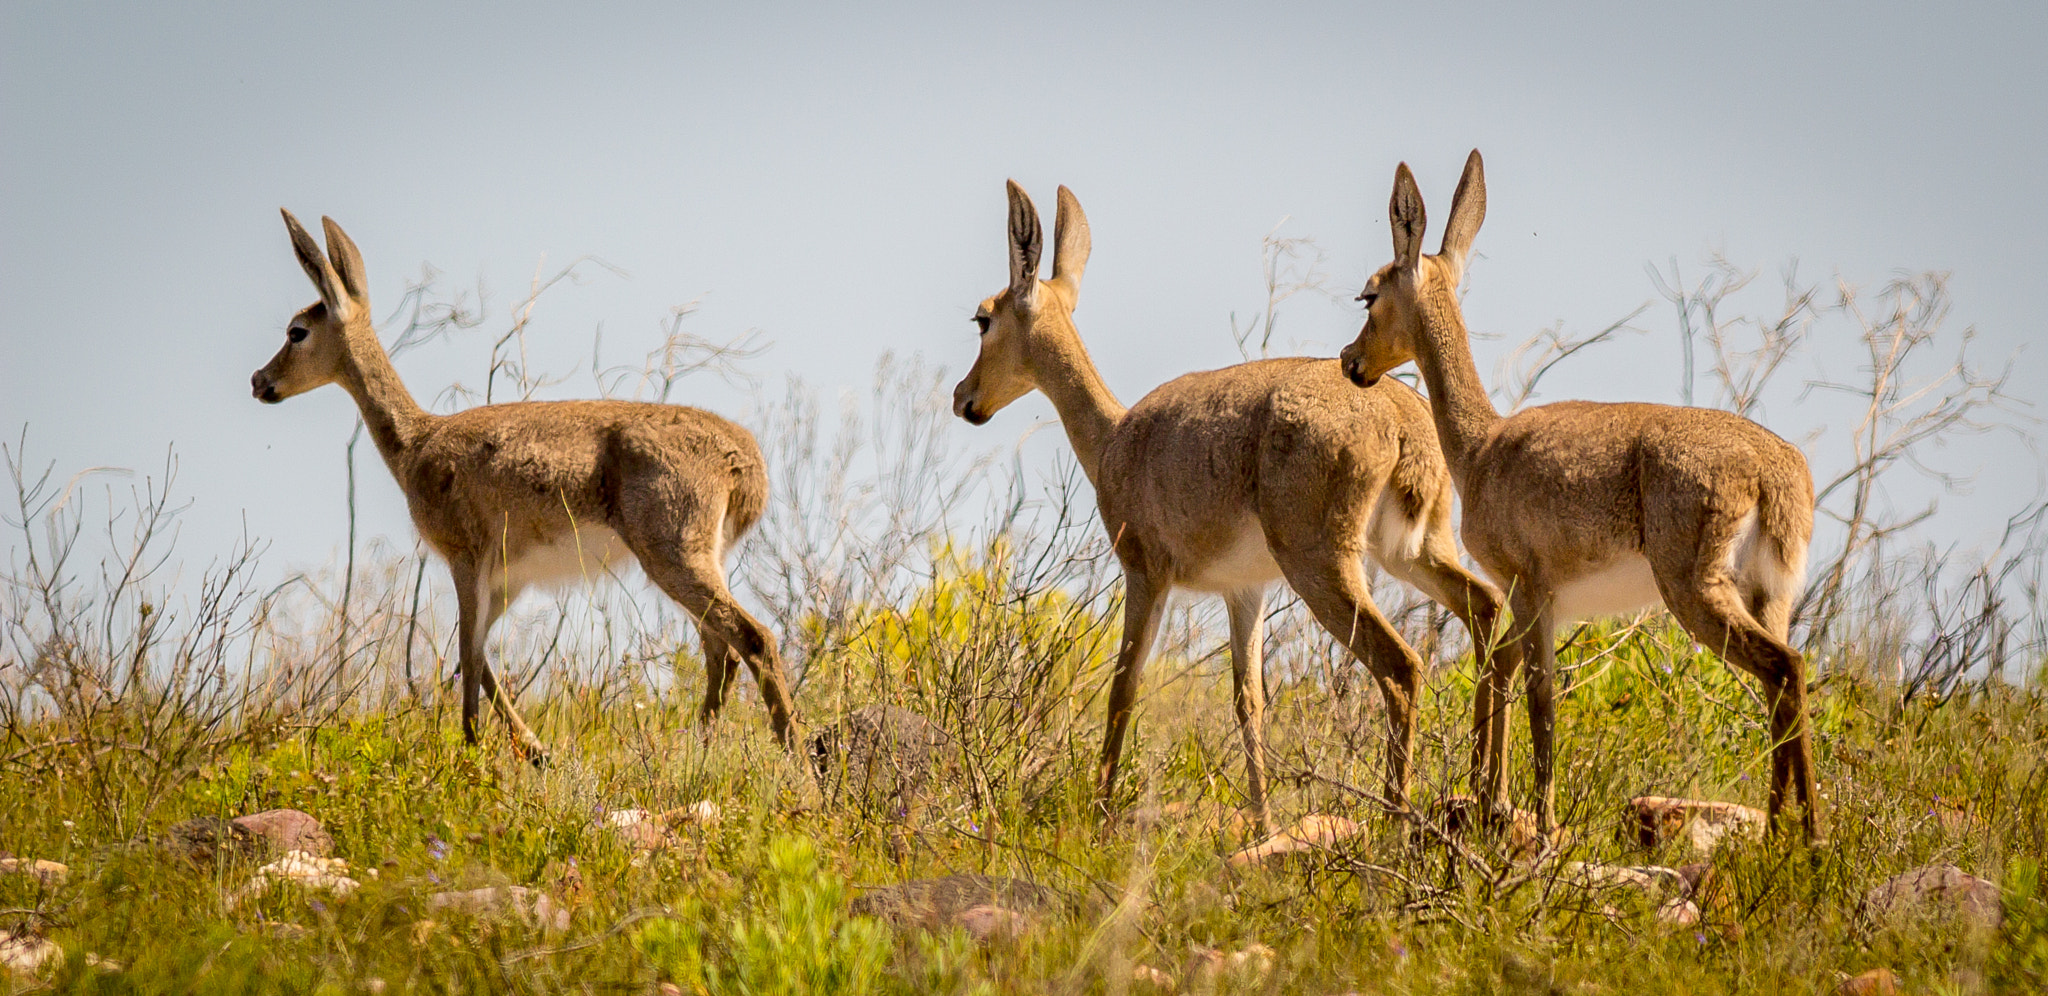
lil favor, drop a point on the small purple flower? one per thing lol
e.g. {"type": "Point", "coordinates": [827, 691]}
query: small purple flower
{"type": "Point", "coordinates": [318, 906]}
{"type": "Point", "coordinates": [436, 847]}
{"type": "Point", "coordinates": [431, 877]}
{"type": "Point", "coordinates": [1700, 937]}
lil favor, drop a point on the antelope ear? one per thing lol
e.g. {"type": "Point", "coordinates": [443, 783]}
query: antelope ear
{"type": "Point", "coordinates": [1070, 245]}
{"type": "Point", "coordinates": [1026, 243]}
{"type": "Point", "coordinates": [1468, 210]}
{"type": "Point", "coordinates": [347, 261]}
{"type": "Point", "coordinates": [1405, 217]}
{"type": "Point", "coordinates": [314, 262]}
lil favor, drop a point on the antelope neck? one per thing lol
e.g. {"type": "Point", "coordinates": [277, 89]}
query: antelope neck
{"type": "Point", "coordinates": [394, 419]}
{"type": "Point", "coordinates": [1088, 411]}
{"type": "Point", "coordinates": [1457, 400]}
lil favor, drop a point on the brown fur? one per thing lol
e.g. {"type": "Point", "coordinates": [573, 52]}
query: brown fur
{"type": "Point", "coordinates": [1554, 494]}
{"type": "Point", "coordinates": [1214, 471]}
{"type": "Point", "coordinates": [493, 487]}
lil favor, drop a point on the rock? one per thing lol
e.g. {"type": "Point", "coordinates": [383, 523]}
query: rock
{"type": "Point", "coordinates": [1314, 832]}
{"type": "Point", "coordinates": [1933, 892]}
{"type": "Point", "coordinates": [640, 830]}
{"type": "Point", "coordinates": [936, 904]}
{"type": "Point", "coordinates": [531, 906]}
{"type": "Point", "coordinates": [987, 923]}
{"type": "Point", "coordinates": [1701, 825]}
{"type": "Point", "coordinates": [878, 759]}
{"type": "Point", "coordinates": [50, 873]}
{"type": "Point", "coordinates": [27, 955]}
{"type": "Point", "coordinates": [210, 840]}
{"type": "Point", "coordinates": [1876, 982]}
{"type": "Point", "coordinates": [287, 830]}
{"type": "Point", "coordinates": [1654, 881]}
{"type": "Point", "coordinates": [1459, 814]}
{"type": "Point", "coordinates": [1678, 911]}
{"type": "Point", "coordinates": [1146, 975]}
{"type": "Point", "coordinates": [645, 831]}
{"type": "Point", "coordinates": [1207, 967]}
{"type": "Point", "coordinates": [703, 812]}
{"type": "Point", "coordinates": [308, 871]}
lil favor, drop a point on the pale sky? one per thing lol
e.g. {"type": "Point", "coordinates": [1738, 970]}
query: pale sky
{"type": "Point", "coordinates": [833, 177]}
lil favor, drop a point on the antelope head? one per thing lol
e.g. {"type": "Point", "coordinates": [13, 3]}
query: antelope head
{"type": "Point", "coordinates": [317, 340]}
{"type": "Point", "coordinates": [1030, 316]}
{"type": "Point", "coordinates": [1399, 298]}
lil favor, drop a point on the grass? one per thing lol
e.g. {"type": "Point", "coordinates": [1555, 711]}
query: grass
{"type": "Point", "coordinates": [758, 901]}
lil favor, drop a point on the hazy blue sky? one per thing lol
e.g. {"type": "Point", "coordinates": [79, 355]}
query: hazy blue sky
{"type": "Point", "coordinates": [833, 177]}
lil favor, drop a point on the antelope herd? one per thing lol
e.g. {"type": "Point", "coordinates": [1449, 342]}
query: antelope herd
{"type": "Point", "coordinates": [1222, 481]}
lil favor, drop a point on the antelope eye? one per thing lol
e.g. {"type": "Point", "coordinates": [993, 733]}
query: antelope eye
{"type": "Point", "coordinates": [982, 320]}
{"type": "Point", "coordinates": [297, 334]}
{"type": "Point", "coordinates": [1368, 297]}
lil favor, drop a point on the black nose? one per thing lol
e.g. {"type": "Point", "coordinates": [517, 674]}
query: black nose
{"type": "Point", "coordinates": [1357, 375]}
{"type": "Point", "coordinates": [973, 417]}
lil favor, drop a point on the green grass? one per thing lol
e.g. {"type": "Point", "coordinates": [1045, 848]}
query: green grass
{"type": "Point", "coordinates": [757, 903]}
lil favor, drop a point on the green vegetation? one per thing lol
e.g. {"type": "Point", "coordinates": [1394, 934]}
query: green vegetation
{"type": "Point", "coordinates": [758, 901]}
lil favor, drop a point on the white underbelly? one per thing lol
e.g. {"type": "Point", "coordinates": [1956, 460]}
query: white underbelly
{"type": "Point", "coordinates": [1622, 585]}
{"type": "Point", "coordinates": [581, 556]}
{"type": "Point", "coordinates": [1245, 563]}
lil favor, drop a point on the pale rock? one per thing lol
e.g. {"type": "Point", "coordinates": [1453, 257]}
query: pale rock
{"type": "Point", "coordinates": [50, 873]}
{"type": "Point", "coordinates": [645, 831]}
{"type": "Point", "coordinates": [287, 830]}
{"type": "Point", "coordinates": [1678, 911]}
{"type": "Point", "coordinates": [1146, 975]}
{"type": "Point", "coordinates": [308, 871]}
{"type": "Point", "coordinates": [1209, 966]}
{"type": "Point", "coordinates": [1701, 825]}
{"type": "Point", "coordinates": [986, 923]}
{"type": "Point", "coordinates": [27, 955]}
{"type": "Point", "coordinates": [1315, 832]}
{"type": "Point", "coordinates": [1876, 982]}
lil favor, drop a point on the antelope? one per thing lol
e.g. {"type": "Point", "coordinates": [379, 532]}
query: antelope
{"type": "Point", "coordinates": [513, 495]}
{"type": "Point", "coordinates": [1227, 480]}
{"type": "Point", "coordinates": [1581, 509]}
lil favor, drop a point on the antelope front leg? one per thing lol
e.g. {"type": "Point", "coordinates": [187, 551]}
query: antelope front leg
{"type": "Point", "coordinates": [476, 611]}
{"type": "Point", "coordinates": [1143, 606]}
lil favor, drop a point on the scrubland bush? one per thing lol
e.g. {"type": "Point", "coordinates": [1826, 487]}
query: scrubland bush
{"type": "Point", "coordinates": [903, 569]}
